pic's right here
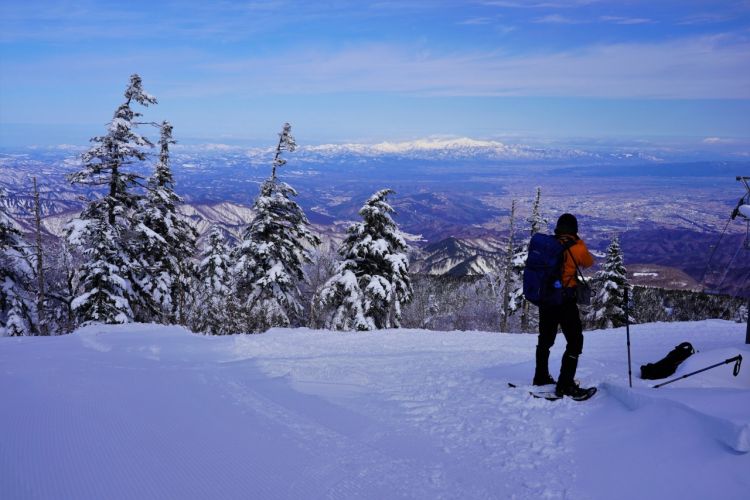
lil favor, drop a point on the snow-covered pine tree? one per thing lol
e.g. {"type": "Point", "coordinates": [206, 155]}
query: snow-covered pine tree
{"type": "Point", "coordinates": [512, 279]}
{"type": "Point", "coordinates": [517, 300]}
{"type": "Point", "coordinates": [273, 251]}
{"type": "Point", "coordinates": [41, 301]}
{"type": "Point", "coordinates": [342, 301]}
{"type": "Point", "coordinates": [649, 305]}
{"type": "Point", "coordinates": [106, 163]}
{"type": "Point", "coordinates": [424, 307]}
{"type": "Point", "coordinates": [742, 313]}
{"type": "Point", "coordinates": [537, 222]}
{"type": "Point", "coordinates": [16, 275]}
{"type": "Point", "coordinates": [373, 280]}
{"type": "Point", "coordinates": [510, 284]}
{"type": "Point", "coordinates": [213, 286]}
{"type": "Point", "coordinates": [114, 267]}
{"type": "Point", "coordinates": [106, 292]}
{"type": "Point", "coordinates": [609, 284]}
{"type": "Point", "coordinates": [62, 283]}
{"type": "Point", "coordinates": [165, 240]}
{"type": "Point", "coordinates": [322, 266]}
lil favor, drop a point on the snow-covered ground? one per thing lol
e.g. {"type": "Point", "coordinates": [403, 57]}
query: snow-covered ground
{"type": "Point", "coordinates": [143, 411]}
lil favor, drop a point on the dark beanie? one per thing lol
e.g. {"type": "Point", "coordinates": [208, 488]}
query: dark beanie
{"type": "Point", "coordinates": [567, 224]}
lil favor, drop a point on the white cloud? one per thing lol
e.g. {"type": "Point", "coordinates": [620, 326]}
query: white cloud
{"type": "Point", "coordinates": [626, 20]}
{"type": "Point", "coordinates": [559, 4]}
{"type": "Point", "coordinates": [717, 140]}
{"type": "Point", "coordinates": [689, 68]}
{"type": "Point", "coordinates": [704, 18]}
{"type": "Point", "coordinates": [560, 19]}
{"type": "Point", "coordinates": [705, 67]}
{"type": "Point", "coordinates": [504, 29]}
{"type": "Point", "coordinates": [476, 21]}
{"type": "Point", "coordinates": [557, 19]}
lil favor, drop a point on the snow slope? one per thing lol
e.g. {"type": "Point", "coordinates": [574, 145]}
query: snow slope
{"type": "Point", "coordinates": [144, 411]}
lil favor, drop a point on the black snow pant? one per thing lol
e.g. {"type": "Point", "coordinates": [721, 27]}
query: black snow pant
{"type": "Point", "coordinates": [567, 317]}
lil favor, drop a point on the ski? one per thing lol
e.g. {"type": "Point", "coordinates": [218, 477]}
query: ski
{"type": "Point", "coordinates": [539, 393]}
{"type": "Point", "coordinates": [550, 395]}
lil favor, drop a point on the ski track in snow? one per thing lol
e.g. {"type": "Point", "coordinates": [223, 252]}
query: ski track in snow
{"type": "Point", "coordinates": [144, 411]}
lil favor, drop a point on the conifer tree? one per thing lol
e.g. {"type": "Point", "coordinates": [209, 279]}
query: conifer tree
{"type": "Point", "coordinates": [510, 281]}
{"type": "Point", "coordinates": [107, 162]}
{"type": "Point", "coordinates": [16, 275]}
{"type": "Point", "coordinates": [112, 278]}
{"type": "Point", "coordinates": [537, 222]}
{"type": "Point", "coordinates": [607, 306]}
{"type": "Point", "coordinates": [165, 241]}
{"type": "Point", "coordinates": [106, 293]}
{"type": "Point", "coordinates": [41, 305]}
{"type": "Point", "coordinates": [323, 263]}
{"type": "Point", "coordinates": [61, 288]}
{"type": "Point", "coordinates": [213, 287]}
{"type": "Point", "coordinates": [273, 250]}
{"type": "Point", "coordinates": [372, 282]}
{"type": "Point", "coordinates": [342, 301]}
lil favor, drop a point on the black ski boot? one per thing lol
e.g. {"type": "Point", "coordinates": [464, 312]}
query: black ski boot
{"type": "Point", "coordinates": [574, 391]}
{"type": "Point", "coordinates": [566, 386]}
{"type": "Point", "coordinates": [541, 374]}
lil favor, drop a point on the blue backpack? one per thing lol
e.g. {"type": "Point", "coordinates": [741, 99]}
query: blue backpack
{"type": "Point", "coordinates": [542, 275]}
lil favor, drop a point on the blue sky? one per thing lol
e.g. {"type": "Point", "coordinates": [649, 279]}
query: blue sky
{"type": "Point", "coordinates": [361, 71]}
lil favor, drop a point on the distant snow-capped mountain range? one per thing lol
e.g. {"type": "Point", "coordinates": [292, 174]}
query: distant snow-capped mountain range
{"type": "Point", "coordinates": [458, 147]}
{"type": "Point", "coordinates": [432, 148]}
{"type": "Point", "coordinates": [449, 147]}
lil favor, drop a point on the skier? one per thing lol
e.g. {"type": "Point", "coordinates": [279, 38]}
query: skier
{"type": "Point", "coordinates": [565, 315]}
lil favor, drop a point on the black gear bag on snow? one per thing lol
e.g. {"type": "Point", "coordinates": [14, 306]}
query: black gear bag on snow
{"type": "Point", "coordinates": [542, 283]}
{"type": "Point", "coordinates": [668, 365]}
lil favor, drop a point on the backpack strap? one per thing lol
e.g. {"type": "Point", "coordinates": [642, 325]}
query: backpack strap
{"type": "Point", "coordinates": [578, 269]}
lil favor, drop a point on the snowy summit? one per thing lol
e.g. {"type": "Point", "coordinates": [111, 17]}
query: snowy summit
{"type": "Point", "coordinates": [434, 147]}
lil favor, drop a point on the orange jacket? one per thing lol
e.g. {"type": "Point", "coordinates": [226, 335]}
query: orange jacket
{"type": "Point", "coordinates": [581, 255]}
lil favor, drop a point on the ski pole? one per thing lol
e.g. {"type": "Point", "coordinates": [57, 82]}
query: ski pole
{"type": "Point", "coordinates": [627, 330]}
{"type": "Point", "coordinates": [747, 332]}
{"type": "Point", "coordinates": [737, 360]}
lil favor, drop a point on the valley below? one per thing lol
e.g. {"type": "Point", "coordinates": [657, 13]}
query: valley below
{"type": "Point", "coordinates": [455, 204]}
